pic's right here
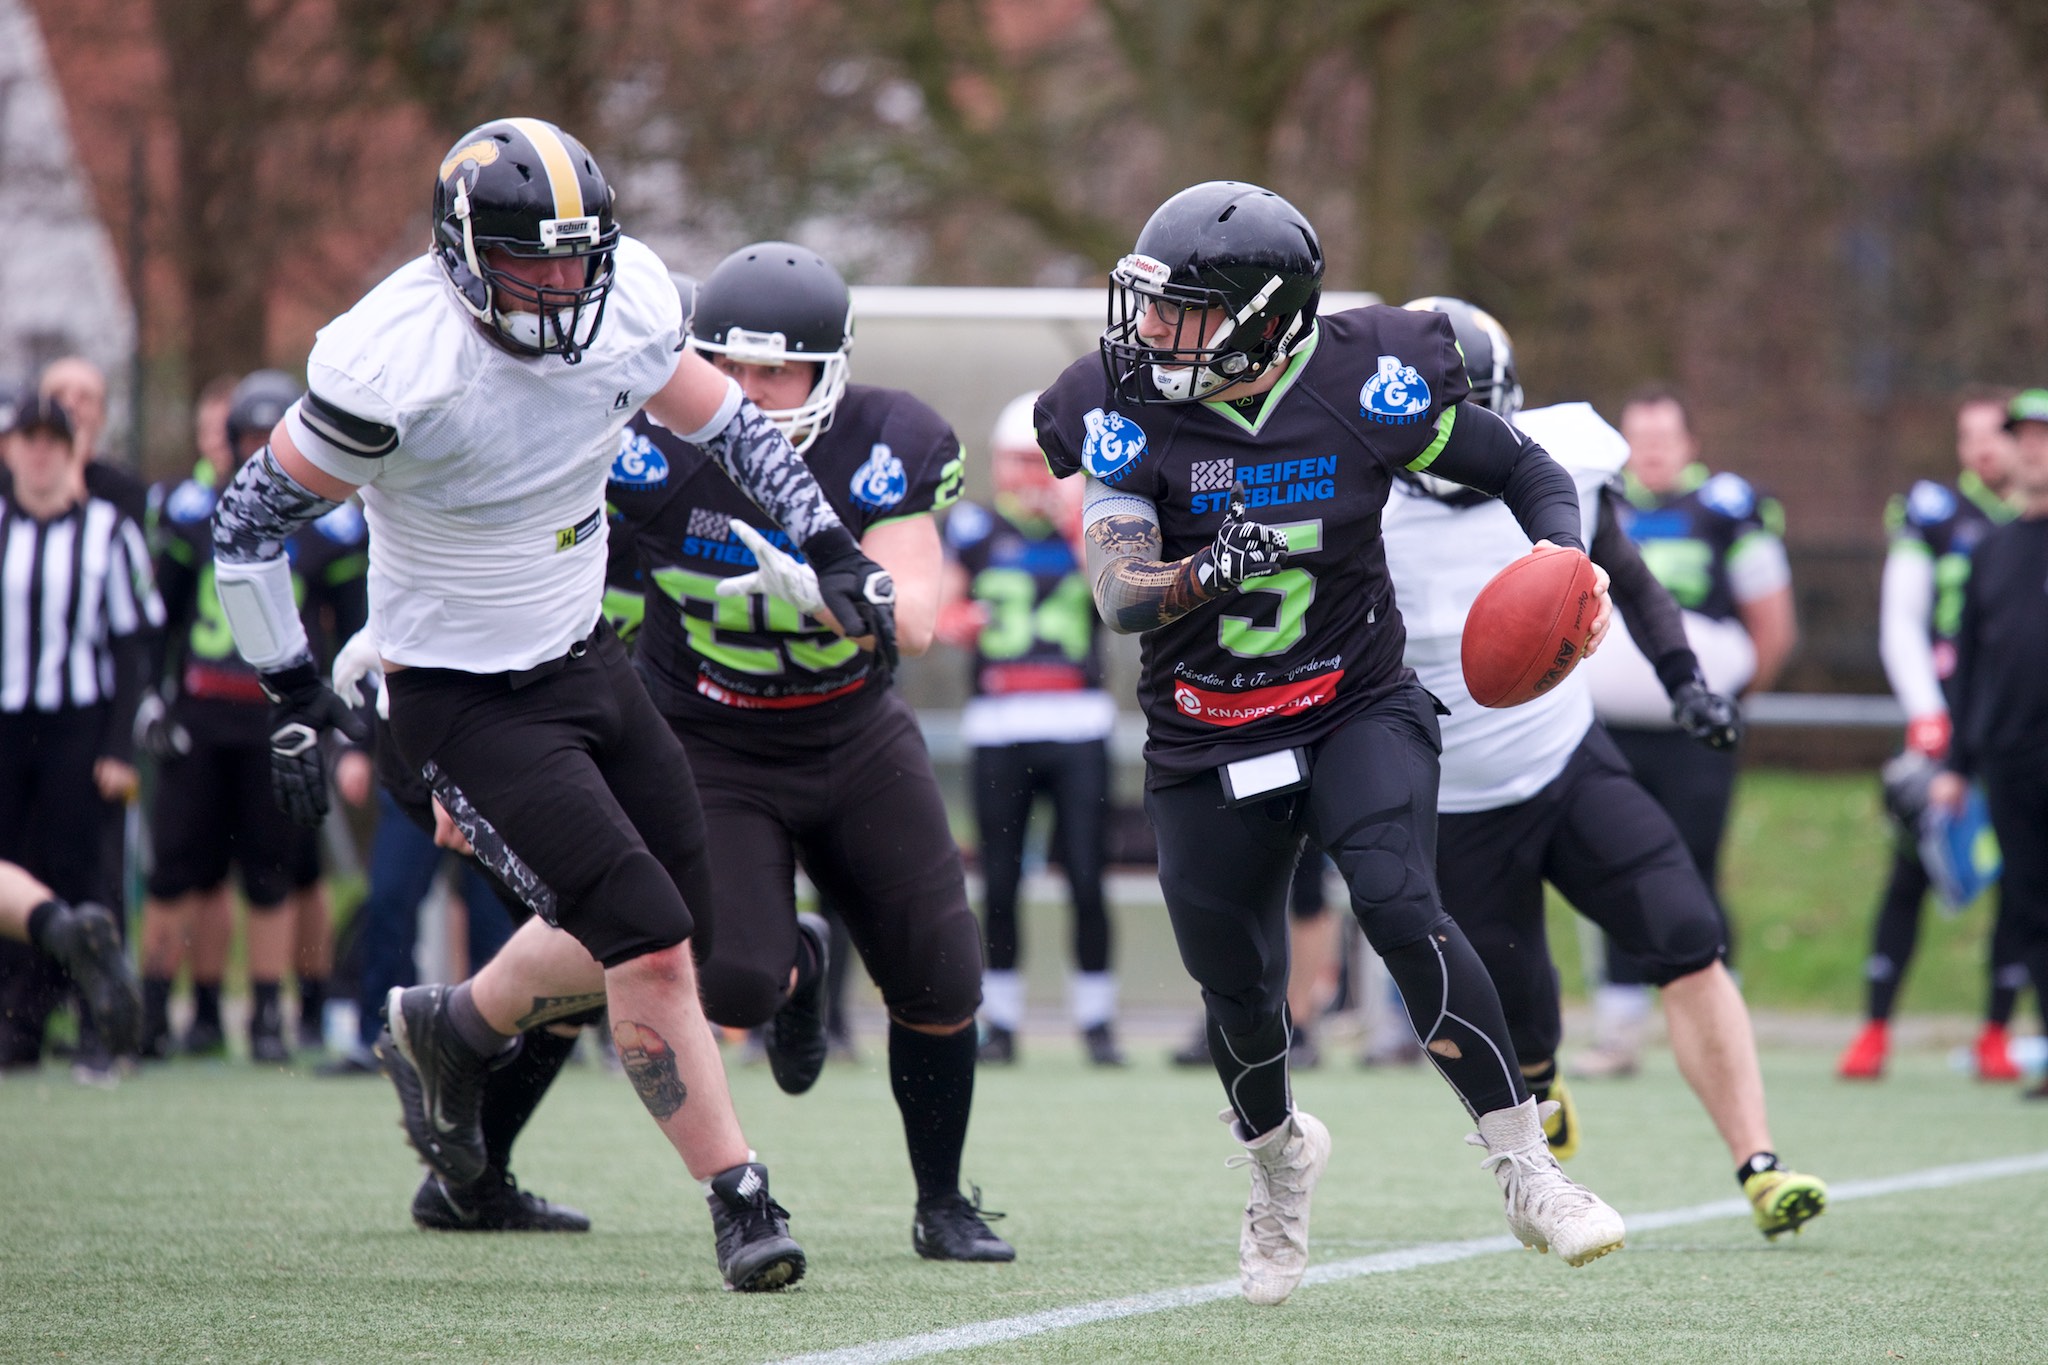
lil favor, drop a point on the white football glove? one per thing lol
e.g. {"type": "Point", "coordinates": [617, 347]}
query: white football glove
{"type": "Point", "coordinates": [779, 574]}
{"type": "Point", "coordinates": [358, 661]}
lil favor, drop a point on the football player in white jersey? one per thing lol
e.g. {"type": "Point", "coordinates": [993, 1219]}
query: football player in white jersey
{"type": "Point", "coordinates": [1538, 792]}
{"type": "Point", "coordinates": [475, 398]}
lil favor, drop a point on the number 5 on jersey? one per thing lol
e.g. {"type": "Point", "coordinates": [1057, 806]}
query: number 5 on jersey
{"type": "Point", "coordinates": [1241, 634]}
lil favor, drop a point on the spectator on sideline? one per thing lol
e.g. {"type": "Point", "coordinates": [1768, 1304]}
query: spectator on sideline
{"type": "Point", "coordinates": [2000, 693]}
{"type": "Point", "coordinates": [76, 603]}
{"type": "Point", "coordinates": [1717, 545]}
{"type": "Point", "coordinates": [1934, 530]}
{"type": "Point", "coordinates": [1038, 722]}
{"type": "Point", "coordinates": [214, 804]}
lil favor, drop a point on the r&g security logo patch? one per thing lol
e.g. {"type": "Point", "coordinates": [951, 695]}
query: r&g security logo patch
{"type": "Point", "coordinates": [880, 482]}
{"type": "Point", "coordinates": [640, 463]}
{"type": "Point", "coordinates": [1114, 443]}
{"type": "Point", "coordinates": [1396, 394]}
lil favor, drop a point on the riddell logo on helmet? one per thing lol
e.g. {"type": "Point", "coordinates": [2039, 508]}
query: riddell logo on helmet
{"type": "Point", "coordinates": [1145, 270]}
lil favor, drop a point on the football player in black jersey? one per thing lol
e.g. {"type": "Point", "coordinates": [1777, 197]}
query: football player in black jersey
{"type": "Point", "coordinates": [1716, 543]}
{"type": "Point", "coordinates": [209, 731]}
{"type": "Point", "coordinates": [1934, 531]}
{"type": "Point", "coordinates": [2000, 693]}
{"type": "Point", "coordinates": [1238, 450]}
{"type": "Point", "coordinates": [802, 751]}
{"type": "Point", "coordinates": [1038, 720]}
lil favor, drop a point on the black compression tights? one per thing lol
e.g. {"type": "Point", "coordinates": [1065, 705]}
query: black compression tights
{"type": "Point", "coordinates": [1457, 1015]}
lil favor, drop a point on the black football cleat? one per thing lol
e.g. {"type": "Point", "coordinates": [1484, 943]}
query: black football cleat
{"type": "Point", "coordinates": [795, 1038]}
{"type": "Point", "coordinates": [267, 1047]}
{"type": "Point", "coordinates": [86, 941]}
{"type": "Point", "coordinates": [493, 1204]}
{"type": "Point", "coordinates": [998, 1047]}
{"type": "Point", "coordinates": [1103, 1049]}
{"type": "Point", "coordinates": [440, 1082]}
{"type": "Point", "coordinates": [950, 1228]}
{"type": "Point", "coordinates": [204, 1039]}
{"type": "Point", "coordinates": [755, 1251]}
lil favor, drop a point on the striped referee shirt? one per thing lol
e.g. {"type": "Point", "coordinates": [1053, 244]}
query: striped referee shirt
{"type": "Point", "coordinates": [71, 588]}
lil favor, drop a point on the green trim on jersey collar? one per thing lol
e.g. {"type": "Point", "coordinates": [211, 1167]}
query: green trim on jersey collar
{"type": "Point", "coordinates": [1989, 503]}
{"type": "Point", "coordinates": [1444, 422]}
{"type": "Point", "coordinates": [203, 475]}
{"type": "Point", "coordinates": [1295, 365]}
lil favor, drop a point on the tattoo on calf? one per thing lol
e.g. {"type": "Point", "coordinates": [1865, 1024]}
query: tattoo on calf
{"type": "Point", "coordinates": [1133, 588]}
{"type": "Point", "coordinates": [650, 1065]}
{"type": "Point", "coordinates": [548, 1009]}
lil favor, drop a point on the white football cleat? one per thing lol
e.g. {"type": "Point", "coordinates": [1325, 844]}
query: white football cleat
{"type": "Point", "coordinates": [1546, 1208]}
{"type": "Point", "coordinates": [1272, 1250]}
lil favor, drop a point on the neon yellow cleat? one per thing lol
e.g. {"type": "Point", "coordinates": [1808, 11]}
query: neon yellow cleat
{"type": "Point", "coordinates": [1560, 1121]}
{"type": "Point", "coordinates": [1784, 1200]}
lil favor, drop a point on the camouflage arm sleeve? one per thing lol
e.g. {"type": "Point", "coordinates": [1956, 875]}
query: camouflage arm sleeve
{"type": "Point", "coordinates": [255, 516]}
{"type": "Point", "coordinates": [760, 460]}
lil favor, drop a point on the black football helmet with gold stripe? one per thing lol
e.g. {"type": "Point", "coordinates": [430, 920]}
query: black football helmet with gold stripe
{"type": "Point", "coordinates": [523, 187]}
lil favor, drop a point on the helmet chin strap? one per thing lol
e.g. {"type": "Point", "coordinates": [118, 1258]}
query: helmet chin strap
{"type": "Point", "coordinates": [487, 313]}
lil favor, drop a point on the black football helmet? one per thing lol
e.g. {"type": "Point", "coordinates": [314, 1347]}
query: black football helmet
{"type": "Point", "coordinates": [1489, 354]}
{"type": "Point", "coordinates": [1489, 365]}
{"type": "Point", "coordinates": [776, 303]}
{"type": "Point", "coordinates": [525, 187]}
{"type": "Point", "coordinates": [258, 404]}
{"type": "Point", "coordinates": [1221, 245]}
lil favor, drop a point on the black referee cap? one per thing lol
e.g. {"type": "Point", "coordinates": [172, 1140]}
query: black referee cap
{"type": "Point", "coordinates": [34, 412]}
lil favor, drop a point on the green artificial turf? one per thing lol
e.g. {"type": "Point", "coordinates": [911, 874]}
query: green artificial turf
{"type": "Point", "coordinates": [217, 1212]}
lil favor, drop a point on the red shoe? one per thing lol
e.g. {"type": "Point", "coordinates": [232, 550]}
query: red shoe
{"type": "Point", "coordinates": [1994, 1061]}
{"type": "Point", "coordinates": [1864, 1059]}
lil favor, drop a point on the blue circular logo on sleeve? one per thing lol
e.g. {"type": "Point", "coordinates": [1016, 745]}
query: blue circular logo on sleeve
{"type": "Point", "coordinates": [1396, 393]}
{"type": "Point", "coordinates": [1113, 444]}
{"type": "Point", "coordinates": [640, 463]}
{"type": "Point", "coordinates": [880, 483]}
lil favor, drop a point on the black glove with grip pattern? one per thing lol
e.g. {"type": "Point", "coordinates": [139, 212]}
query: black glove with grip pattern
{"type": "Point", "coordinates": [303, 708]}
{"type": "Point", "coordinates": [857, 591]}
{"type": "Point", "coordinates": [1709, 717]}
{"type": "Point", "coordinates": [1242, 548]}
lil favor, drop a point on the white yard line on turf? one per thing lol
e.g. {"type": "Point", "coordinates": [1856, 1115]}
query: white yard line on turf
{"type": "Point", "coordinates": [977, 1334]}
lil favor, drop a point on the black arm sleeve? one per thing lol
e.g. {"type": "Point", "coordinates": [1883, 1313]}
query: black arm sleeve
{"type": "Point", "coordinates": [1962, 755]}
{"type": "Point", "coordinates": [132, 654]}
{"type": "Point", "coordinates": [1645, 604]}
{"type": "Point", "coordinates": [1481, 451]}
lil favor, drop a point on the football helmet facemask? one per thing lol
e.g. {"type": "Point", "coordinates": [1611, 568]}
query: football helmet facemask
{"type": "Point", "coordinates": [1225, 246]}
{"type": "Point", "coordinates": [525, 187]}
{"type": "Point", "coordinates": [776, 303]}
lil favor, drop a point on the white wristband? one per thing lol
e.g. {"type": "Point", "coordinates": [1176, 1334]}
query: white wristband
{"type": "Point", "coordinates": [261, 610]}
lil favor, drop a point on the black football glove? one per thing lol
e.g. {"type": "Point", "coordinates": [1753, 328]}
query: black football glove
{"type": "Point", "coordinates": [1709, 717]}
{"type": "Point", "coordinates": [302, 708]}
{"type": "Point", "coordinates": [857, 591]}
{"type": "Point", "coordinates": [156, 734]}
{"type": "Point", "coordinates": [1242, 549]}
